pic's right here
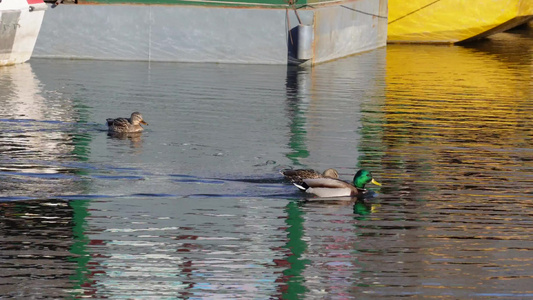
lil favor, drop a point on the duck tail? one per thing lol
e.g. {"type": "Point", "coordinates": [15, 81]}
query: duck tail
{"type": "Point", "coordinates": [302, 186]}
{"type": "Point", "coordinates": [287, 172]}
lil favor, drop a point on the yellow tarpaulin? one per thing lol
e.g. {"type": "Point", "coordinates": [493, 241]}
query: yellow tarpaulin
{"type": "Point", "coordinates": [451, 21]}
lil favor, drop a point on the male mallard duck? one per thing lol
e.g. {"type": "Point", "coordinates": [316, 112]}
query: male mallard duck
{"type": "Point", "coordinates": [301, 174]}
{"type": "Point", "coordinates": [331, 187]}
{"type": "Point", "coordinates": [131, 124]}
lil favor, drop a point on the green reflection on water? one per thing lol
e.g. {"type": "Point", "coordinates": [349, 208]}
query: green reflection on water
{"type": "Point", "coordinates": [362, 208]}
{"type": "Point", "coordinates": [81, 141]}
{"type": "Point", "coordinates": [81, 255]}
{"type": "Point", "coordinates": [79, 247]}
{"type": "Point", "coordinates": [297, 246]}
{"type": "Point", "coordinates": [297, 140]}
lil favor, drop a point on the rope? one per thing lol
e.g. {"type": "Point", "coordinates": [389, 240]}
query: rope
{"type": "Point", "coordinates": [292, 4]}
{"type": "Point", "coordinates": [233, 3]}
{"type": "Point", "coordinates": [364, 13]}
{"type": "Point", "coordinates": [289, 25]}
{"type": "Point", "coordinates": [414, 11]}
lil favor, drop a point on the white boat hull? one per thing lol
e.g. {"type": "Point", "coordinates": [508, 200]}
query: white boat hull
{"type": "Point", "coordinates": [20, 23]}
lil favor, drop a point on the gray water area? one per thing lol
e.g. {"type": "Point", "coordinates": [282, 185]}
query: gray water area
{"type": "Point", "coordinates": [194, 207]}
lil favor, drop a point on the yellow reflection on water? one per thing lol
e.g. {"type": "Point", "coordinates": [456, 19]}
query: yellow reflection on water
{"type": "Point", "coordinates": [459, 113]}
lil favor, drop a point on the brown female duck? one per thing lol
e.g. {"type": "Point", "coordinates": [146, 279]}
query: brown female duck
{"type": "Point", "coordinates": [124, 125]}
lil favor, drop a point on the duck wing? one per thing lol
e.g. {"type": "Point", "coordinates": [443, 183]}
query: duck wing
{"type": "Point", "coordinates": [327, 187]}
{"type": "Point", "coordinates": [300, 174]}
{"type": "Point", "coordinates": [118, 122]}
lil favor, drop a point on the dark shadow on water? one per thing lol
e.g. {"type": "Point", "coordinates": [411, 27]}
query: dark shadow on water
{"type": "Point", "coordinates": [513, 46]}
{"type": "Point", "coordinates": [257, 180]}
{"type": "Point", "coordinates": [192, 180]}
{"type": "Point", "coordinates": [152, 195]}
{"type": "Point", "coordinates": [243, 195]}
{"type": "Point", "coordinates": [220, 180]}
{"type": "Point", "coordinates": [42, 245]}
{"type": "Point", "coordinates": [116, 177]}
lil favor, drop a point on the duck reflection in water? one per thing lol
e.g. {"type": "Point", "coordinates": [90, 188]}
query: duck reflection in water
{"type": "Point", "coordinates": [133, 137]}
{"type": "Point", "coordinates": [363, 207]}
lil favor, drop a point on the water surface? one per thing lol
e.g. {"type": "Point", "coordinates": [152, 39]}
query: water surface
{"type": "Point", "coordinates": [194, 207]}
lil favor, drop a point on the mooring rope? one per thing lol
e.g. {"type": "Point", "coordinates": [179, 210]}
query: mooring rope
{"type": "Point", "coordinates": [234, 3]}
{"type": "Point", "coordinates": [414, 11]}
{"type": "Point", "coordinates": [364, 12]}
{"type": "Point", "coordinates": [292, 4]}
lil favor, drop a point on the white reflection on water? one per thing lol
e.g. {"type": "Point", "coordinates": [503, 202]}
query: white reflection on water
{"type": "Point", "coordinates": [35, 138]}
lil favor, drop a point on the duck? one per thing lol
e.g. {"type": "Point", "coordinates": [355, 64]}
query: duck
{"type": "Point", "coordinates": [123, 125]}
{"type": "Point", "coordinates": [301, 174]}
{"type": "Point", "coordinates": [334, 187]}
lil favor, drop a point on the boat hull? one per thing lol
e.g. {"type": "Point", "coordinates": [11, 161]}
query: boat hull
{"type": "Point", "coordinates": [187, 33]}
{"type": "Point", "coordinates": [20, 23]}
{"type": "Point", "coordinates": [429, 21]}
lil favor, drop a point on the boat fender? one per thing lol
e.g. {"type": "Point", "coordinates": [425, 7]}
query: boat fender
{"type": "Point", "coordinates": [305, 42]}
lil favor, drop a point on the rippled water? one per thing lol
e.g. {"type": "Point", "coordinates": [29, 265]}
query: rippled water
{"type": "Point", "coordinates": [193, 208]}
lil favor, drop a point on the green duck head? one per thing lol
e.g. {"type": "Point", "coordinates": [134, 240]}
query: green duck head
{"type": "Point", "coordinates": [362, 177]}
